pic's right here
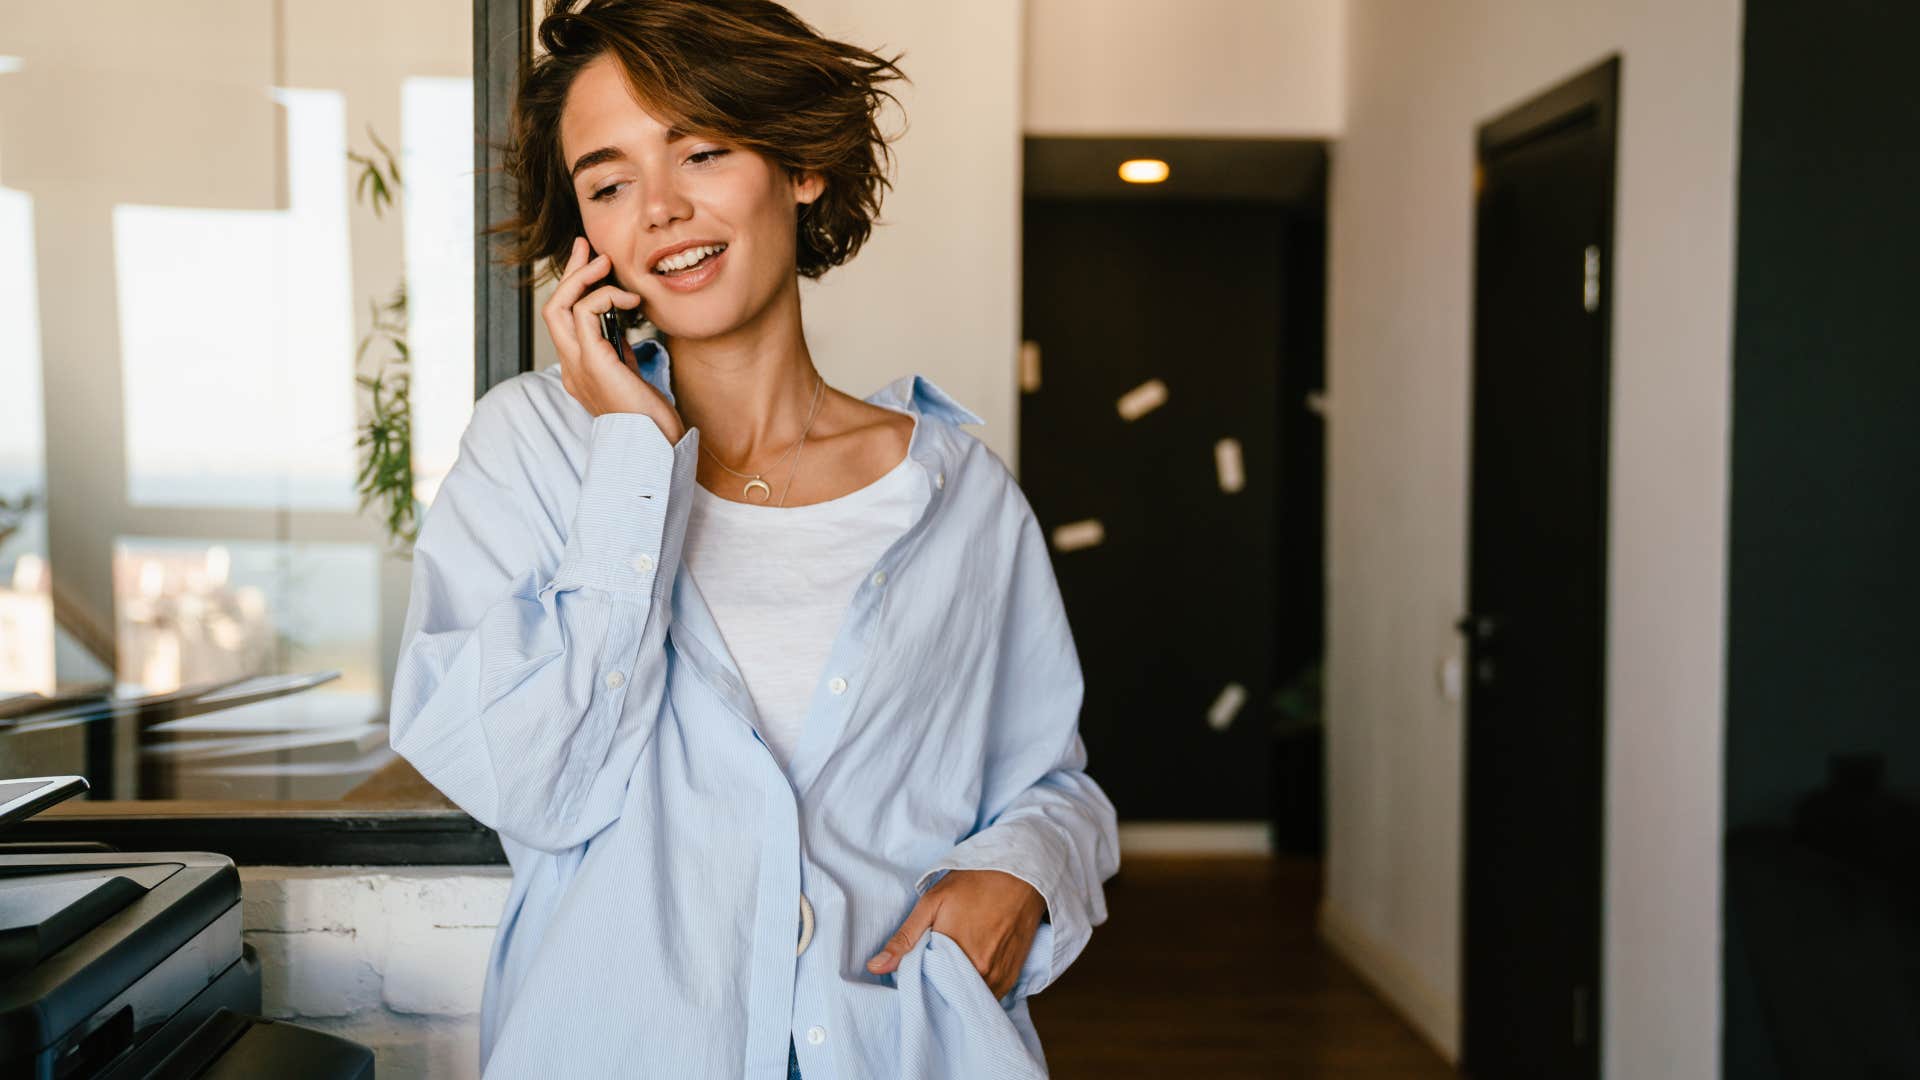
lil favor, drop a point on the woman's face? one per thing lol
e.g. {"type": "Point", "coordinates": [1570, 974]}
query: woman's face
{"type": "Point", "coordinates": [643, 187]}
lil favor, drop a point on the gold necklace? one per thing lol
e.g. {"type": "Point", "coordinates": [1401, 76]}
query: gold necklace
{"type": "Point", "coordinates": [754, 479]}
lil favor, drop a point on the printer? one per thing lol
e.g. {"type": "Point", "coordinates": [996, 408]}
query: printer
{"type": "Point", "coordinates": [130, 966]}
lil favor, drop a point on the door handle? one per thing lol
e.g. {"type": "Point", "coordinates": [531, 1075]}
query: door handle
{"type": "Point", "coordinates": [1477, 627]}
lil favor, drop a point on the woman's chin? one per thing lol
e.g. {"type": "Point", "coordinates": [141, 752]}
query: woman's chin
{"type": "Point", "coordinates": [697, 325]}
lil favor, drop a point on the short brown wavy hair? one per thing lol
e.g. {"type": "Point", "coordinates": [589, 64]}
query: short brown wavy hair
{"type": "Point", "coordinates": [746, 71]}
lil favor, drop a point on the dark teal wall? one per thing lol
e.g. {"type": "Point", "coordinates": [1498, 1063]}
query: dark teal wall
{"type": "Point", "coordinates": [1824, 562]}
{"type": "Point", "coordinates": [1823, 636]}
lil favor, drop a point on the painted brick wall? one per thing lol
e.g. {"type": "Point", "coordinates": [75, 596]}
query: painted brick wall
{"type": "Point", "coordinates": [392, 957]}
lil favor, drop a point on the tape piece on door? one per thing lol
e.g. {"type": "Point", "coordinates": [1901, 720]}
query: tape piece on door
{"type": "Point", "coordinates": [1142, 399]}
{"type": "Point", "coordinates": [1226, 706]}
{"type": "Point", "coordinates": [1229, 464]}
{"type": "Point", "coordinates": [1075, 535]}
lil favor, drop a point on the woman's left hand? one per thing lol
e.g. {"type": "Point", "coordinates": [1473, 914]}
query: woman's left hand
{"type": "Point", "coordinates": [992, 915]}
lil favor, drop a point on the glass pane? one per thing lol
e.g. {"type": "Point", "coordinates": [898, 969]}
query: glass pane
{"type": "Point", "coordinates": [26, 602]}
{"type": "Point", "coordinates": [191, 612]}
{"type": "Point", "coordinates": [268, 373]}
{"type": "Point", "coordinates": [215, 220]}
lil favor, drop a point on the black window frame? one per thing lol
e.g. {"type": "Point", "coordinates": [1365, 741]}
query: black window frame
{"type": "Point", "coordinates": [340, 833]}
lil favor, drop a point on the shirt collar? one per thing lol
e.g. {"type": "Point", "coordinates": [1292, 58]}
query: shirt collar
{"type": "Point", "coordinates": [917, 393]}
{"type": "Point", "coordinates": [656, 367]}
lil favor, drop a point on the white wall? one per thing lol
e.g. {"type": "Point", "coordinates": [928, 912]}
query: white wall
{"type": "Point", "coordinates": [1420, 78]}
{"type": "Point", "coordinates": [936, 289]}
{"type": "Point", "coordinates": [393, 958]}
{"type": "Point", "coordinates": [1246, 68]}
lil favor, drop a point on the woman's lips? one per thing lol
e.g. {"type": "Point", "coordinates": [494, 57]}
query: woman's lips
{"type": "Point", "coordinates": [697, 277]}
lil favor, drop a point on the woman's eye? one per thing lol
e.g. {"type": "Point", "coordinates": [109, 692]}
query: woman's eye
{"type": "Point", "coordinates": [611, 190]}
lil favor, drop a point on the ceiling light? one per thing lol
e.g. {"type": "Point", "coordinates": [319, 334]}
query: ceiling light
{"type": "Point", "coordinates": [1143, 171]}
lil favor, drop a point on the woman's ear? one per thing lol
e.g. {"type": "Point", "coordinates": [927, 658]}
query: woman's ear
{"type": "Point", "coordinates": [808, 186]}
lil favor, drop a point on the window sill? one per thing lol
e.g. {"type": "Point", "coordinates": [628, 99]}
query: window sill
{"type": "Point", "coordinates": [330, 833]}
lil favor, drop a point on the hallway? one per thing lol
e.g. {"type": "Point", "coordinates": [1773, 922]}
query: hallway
{"type": "Point", "coordinates": [1211, 967]}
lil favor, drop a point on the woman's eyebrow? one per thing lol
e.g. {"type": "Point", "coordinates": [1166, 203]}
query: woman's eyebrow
{"type": "Point", "coordinates": [613, 153]}
{"type": "Point", "coordinates": [596, 157]}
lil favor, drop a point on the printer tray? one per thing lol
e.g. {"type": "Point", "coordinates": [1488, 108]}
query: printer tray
{"type": "Point", "coordinates": [164, 925]}
{"type": "Point", "coordinates": [236, 1046]}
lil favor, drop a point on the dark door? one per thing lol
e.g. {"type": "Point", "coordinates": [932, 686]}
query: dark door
{"type": "Point", "coordinates": [1173, 609]}
{"type": "Point", "coordinates": [1537, 585]}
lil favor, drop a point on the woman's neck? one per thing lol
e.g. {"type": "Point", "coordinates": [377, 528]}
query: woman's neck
{"type": "Point", "coordinates": [750, 391]}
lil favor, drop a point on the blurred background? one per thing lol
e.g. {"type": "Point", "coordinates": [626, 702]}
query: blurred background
{"type": "Point", "coordinates": [1506, 401]}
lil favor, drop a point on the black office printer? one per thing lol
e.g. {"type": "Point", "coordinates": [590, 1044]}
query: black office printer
{"type": "Point", "coordinates": [130, 966]}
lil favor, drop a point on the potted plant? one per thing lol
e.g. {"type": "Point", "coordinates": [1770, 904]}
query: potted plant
{"type": "Point", "coordinates": [386, 432]}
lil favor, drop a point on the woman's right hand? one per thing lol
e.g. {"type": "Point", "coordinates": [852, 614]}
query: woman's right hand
{"type": "Point", "coordinates": [589, 368]}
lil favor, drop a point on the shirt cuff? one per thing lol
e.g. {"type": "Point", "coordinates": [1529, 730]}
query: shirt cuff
{"type": "Point", "coordinates": [983, 852]}
{"type": "Point", "coordinates": [630, 520]}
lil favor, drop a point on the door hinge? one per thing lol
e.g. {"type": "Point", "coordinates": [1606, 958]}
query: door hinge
{"type": "Point", "coordinates": [1590, 289]}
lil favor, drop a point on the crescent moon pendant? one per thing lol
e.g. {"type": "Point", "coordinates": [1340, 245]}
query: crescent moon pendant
{"type": "Point", "coordinates": [767, 492]}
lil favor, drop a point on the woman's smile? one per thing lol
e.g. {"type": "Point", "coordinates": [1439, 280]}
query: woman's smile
{"type": "Point", "coordinates": [696, 276]}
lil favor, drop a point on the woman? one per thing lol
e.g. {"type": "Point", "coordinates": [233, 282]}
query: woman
{"type": "Point", "coordinates": [767, 690]}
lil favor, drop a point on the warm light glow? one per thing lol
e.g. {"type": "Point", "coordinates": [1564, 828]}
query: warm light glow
{"type": "Point", "coordinates": [30, 574]}
{"type": "Point", "coordinates": [26, 642]}
{"type": "Point", "coordinates": [1143, 171]}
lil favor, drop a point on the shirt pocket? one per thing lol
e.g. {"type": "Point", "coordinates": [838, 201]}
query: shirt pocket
{"type": "Point", "coordinates": [951, 1025]}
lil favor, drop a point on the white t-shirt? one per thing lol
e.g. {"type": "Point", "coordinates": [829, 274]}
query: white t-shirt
{"type": "Point", "coordinates": [779, 580]}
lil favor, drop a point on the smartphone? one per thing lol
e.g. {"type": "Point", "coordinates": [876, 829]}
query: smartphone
{"type": "Point", "coordinates": [610, 323]}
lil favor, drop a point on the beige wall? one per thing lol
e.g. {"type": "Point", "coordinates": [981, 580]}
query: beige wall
{"type": "Point", "coordinates": [1420, 78]}
{"type": "Point", "coordinates": [1247, 68]}
{"type": "Point", "coordinates": [936, 290]}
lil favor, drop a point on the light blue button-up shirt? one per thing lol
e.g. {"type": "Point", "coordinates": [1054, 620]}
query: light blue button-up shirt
{"type": "Point", "coordinates": [562, 680]}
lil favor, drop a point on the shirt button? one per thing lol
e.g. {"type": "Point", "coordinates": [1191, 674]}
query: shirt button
{"type": "Point", "coordinates": [880, 577]}
{"type": "Point", "coordinates": [643, 563]}
{"type": "Point", "coordinates": [615, 680]}
{"type": "Point", "coordinates": [940, 480]}
{"type": "Point", "coordinates": [837, 684]}
{"type": "Point", "coordinates": [816, 1035]}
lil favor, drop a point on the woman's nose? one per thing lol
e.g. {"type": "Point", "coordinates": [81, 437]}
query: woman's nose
{"type": "Point", "coordinates": [664, 205]}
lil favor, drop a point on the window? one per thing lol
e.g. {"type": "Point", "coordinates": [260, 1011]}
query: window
{"type": "Point", "coordinates": [215, 219]}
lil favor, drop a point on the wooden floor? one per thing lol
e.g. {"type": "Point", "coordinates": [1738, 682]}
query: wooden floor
{"type": "Point", "coordinates": [1211, 967]}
